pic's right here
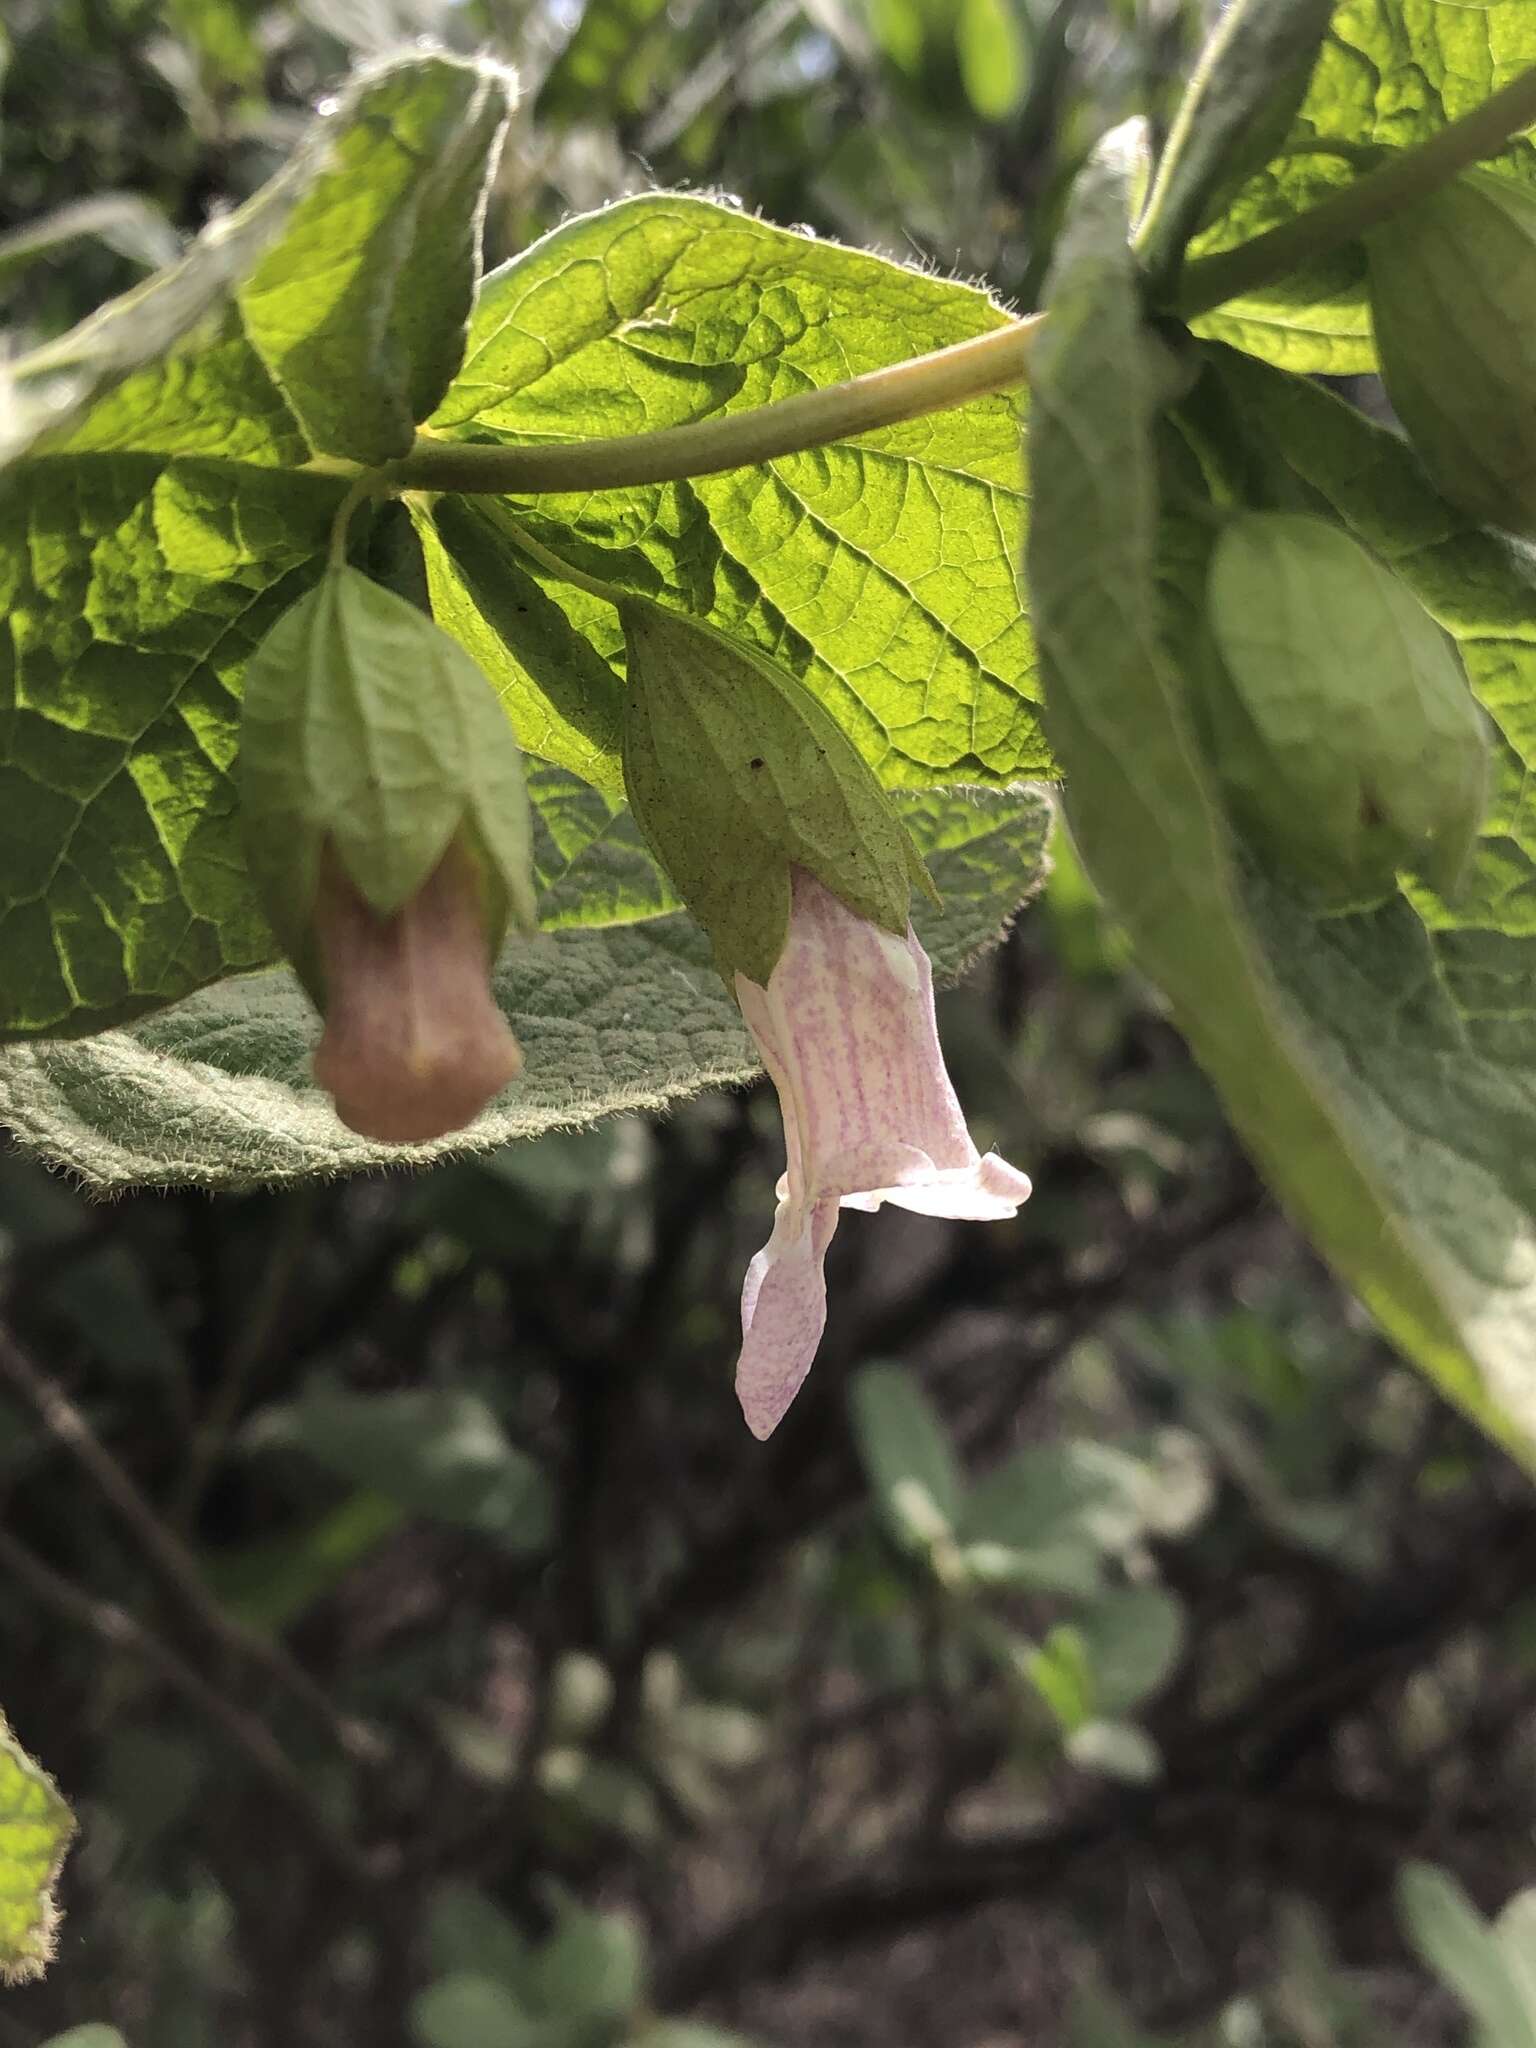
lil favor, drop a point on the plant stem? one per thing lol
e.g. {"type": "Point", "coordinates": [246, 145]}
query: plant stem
{"type": "Point", "coordinates": [556, 565]}
{"type": "Point", "coordinates": [367, 485]}
{"type": "Point", "coordinates": [989, 363]}
{"type": "Point", "coordinates": [1408, 176]}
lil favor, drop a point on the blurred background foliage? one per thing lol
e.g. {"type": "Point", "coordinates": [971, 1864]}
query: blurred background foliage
{"type": "Point", "coordinates": [1115, 1642]}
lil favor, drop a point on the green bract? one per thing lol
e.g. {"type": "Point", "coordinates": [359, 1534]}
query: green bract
{"type": "Point", "coordinates": [1453, 293]}
{"type": "Point", "coordinates": [367, 728]}
{"type": "Point", "coordinates": [734, 772]}
{"type": "Point", "coordinates": [1337, 712]}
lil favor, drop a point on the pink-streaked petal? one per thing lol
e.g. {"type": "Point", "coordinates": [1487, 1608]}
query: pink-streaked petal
{"type": "Point", "coordinates": [783, 1313]}
{"type": "Point", "coordinates": [990, 1192]}
{"type": "Point", "coordinates": [847, 1031]}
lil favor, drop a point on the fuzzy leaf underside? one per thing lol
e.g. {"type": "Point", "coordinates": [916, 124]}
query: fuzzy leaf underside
{"type": "Point", "coordinates": [624, 1014]}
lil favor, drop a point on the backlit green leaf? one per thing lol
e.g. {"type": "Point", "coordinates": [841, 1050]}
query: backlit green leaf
{"type": "Point", "coordinates": [1237, 110]}
{"type": "Point", "coordinates": [359, 312]}
{"type": "Point", "coordinates": [35, 1827]}
{"type": "Point", "coordinates": [135, 590]}
{"type": "Point", "coordinates": [880, 569]}
{"type": "Point", "coordinates": [354, 266]}
{"type": "Point", "coordinates": [1390, 74]}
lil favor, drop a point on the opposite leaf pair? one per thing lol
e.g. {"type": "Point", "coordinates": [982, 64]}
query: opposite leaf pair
{"type": "Point", "coordinates": [387, 830]}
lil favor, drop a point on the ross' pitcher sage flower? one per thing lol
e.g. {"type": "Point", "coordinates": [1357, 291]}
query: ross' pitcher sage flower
{"type": "Point", "coordinates": [414, 1044]}
{"type": "Point", "coordinates": [846, 1030]}
{"type": "Point", "coordinates": [388, 839]}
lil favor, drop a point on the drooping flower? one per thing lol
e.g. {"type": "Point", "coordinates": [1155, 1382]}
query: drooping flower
{"type": "Point", "coordinates": [847, 1032]}
{"type": "Point", "coordinates": [414, 1044]}
{"type": "Point", "coordinates": [388, 838]}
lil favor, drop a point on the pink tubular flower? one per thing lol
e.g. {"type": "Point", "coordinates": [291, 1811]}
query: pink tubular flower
{"type": "Point", "coordinates": [847, 1032]}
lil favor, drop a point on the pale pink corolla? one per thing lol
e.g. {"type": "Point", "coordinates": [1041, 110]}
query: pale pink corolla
{"type": "Point", "coordinates": [846, 1029]}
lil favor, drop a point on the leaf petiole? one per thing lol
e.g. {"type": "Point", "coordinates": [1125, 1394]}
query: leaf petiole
{"type": "Point", "coordinates": [978, 368]}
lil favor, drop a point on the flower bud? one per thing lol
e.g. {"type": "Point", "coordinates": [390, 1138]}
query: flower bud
{"type": "Point", "coordinates": [736, 773]}
{"type": "Point", "coordinates": [387, 833]}
{"type": "Point", "coordinates": [1337, 712]}
{"type": "Point", "coordinates": [413, 1044]}
{"type": "Point", "coordinates": [1453, 297]}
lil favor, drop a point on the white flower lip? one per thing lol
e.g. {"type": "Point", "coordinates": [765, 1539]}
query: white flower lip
{"type": "Point", "coordinates": [846, 1029]}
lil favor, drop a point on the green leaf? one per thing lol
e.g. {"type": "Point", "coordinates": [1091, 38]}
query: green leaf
{"type": "Point", "coordinates": [135, 589]}
{"type": "Point", "coordinates": [44, 394]}
{"type": "Point", "coordinates": [591, 1966]}
{"type": "Point", "coordinates": [1358, 1129]}
{"type": "Point", "coordinates": [271, 1584]}
{"type": "Point", "coordinates": [688, 2034]}
{"type": "Point", "coordinates": [564, 699]}
{"type": "Point", "coordinates": [94, 2035]}
{"type": "Point", "coordinates": [437, 1451]}
{"type": "Point", "coordinates": [1236, 111]}
{"type": "Point", "coordinates": [223, 38]}
{"type": "Point", "coordinates": [993, 56]}
{"type": "Point", "coordinates": [904, 1448]}
{"type": "Point", "coordinates": [1039, 1506]}
{"type": "Point", "coordinates": [1438, 1111]}
{"type": "Point", "coordinates": [592, 866]}
{"type": "Point", "coordinates": [596, 1792]}
{"type": "Point", "coordinates": [880, 570]}
{"type": "Point", "coordinates": [1132, 1637]}
{"type": "Point", "coordinates": [35, 1829]}
{"type": "Point", "coordinates": [216, 1091]}
{"type": "Point", "coordinates": [1516, 1932]}
{"type": "Point", "coordinates": [1060, 1672]}
{"type": "Point", "coordinates": [465, 2011]}
{"type": "Point", "coordinates": [734, 773]}
{"type": "Point", "coordinates": [359, 312]}
{"type": "Point", "coordinates": [1463, 1951]}
{"type": "Point", "coordinates": [1391, 73]}
{"type": "Point", "coordinates": [372, 221]}
{"type": "Point", "coordinates": [468, 1934]}
{"type": "Point", "coordinates": [366, 728]}
{"type": "Point", "coordinates": [141, 561]}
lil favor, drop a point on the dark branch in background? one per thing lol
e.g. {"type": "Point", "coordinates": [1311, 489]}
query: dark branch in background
{"type": "Point", "coordinates": [1217, 1773]}
{"type": "Point", "coordinates": [247, 1737]}
{"type": "Point", "coordinates": [172, 1565]}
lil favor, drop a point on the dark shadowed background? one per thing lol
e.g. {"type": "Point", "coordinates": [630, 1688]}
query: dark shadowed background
{"type": "Point", "coordinates": [386, 1575]}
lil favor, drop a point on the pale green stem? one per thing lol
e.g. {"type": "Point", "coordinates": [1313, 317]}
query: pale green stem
{"type": "Point", "coordinates": [881, 398]}
{"type": "Point", "coordinates": [556, 564]}
{"type": "Point", "coordinates": [369, 484]}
